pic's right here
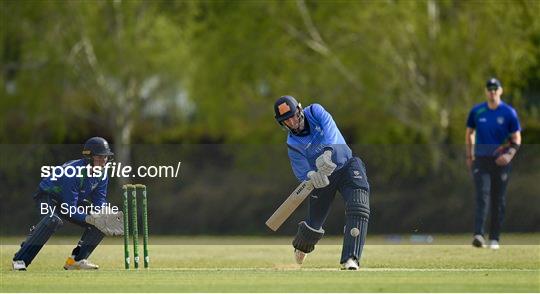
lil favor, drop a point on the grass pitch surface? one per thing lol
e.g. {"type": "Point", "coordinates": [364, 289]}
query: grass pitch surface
{"type": "Point", "coordinates": [239, 264]}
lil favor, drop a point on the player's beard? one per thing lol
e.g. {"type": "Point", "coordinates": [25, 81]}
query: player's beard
{"type": "Point", "coordinates": [301, 124]}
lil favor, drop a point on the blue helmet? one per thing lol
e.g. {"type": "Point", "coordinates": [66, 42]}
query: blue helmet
{"type": "Point", "coordinates": [285, 107]}
{"type": "Point", "coordinates": [96, 146]}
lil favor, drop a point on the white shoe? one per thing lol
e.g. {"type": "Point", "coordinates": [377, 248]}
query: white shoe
{"type": "Point", "coordinates": [299, 256]}
{"type": "Point", "coordinates": [350, 264]}
{"type": "Point", "coordinates": [479, 241]}
{"type": "Point", "coordinates": [494, 244]}
{"type": "Point", "coordinates": [19, 265]}
{"type": "Point", "coordinates": [82, 264]}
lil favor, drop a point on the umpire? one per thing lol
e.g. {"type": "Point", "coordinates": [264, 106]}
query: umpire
{"type": "Point", "coordinates": [493, 129]}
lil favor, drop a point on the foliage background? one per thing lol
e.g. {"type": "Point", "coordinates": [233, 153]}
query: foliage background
{"type": "Point", "coordinates": [176, 78]}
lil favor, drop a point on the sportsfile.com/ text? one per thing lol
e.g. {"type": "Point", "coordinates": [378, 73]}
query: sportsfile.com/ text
{"type": "Point", "coordinates": [111, 169]}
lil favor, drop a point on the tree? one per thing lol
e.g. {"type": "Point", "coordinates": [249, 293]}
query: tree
{"type": "Point", "coordinates": [115, 64]}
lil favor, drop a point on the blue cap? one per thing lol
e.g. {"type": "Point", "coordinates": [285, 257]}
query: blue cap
{"type": "Point", "coordinates": [493, 83]}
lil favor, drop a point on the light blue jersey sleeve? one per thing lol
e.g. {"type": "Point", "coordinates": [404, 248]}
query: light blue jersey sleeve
{"type": "Point", "coordinates": [299, 162]}
{"type": "Point", "coordinates": [332, 139]}
{"type": "Point", "coordinates": [323, 135]}
{"type": "Point", "coordinates": [331, 135]}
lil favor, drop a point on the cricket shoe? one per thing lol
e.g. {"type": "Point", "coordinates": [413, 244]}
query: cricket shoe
{"type": "Point", "coordinates": [19, 265]}
{"type": "Point", "coordinates": [478, 241]}
{"type": "Point", "coordinates": [350, 264]}
{"type": "Point", "coordinates": [299, 256]}
{"type": "Point", "coordinates": [494, 244]}
{"type": "Point", "coordinates": [82, 264]}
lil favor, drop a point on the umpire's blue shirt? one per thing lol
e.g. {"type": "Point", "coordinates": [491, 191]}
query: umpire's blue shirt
{"type": "Point", "coordinates": [493, 127]}
{"type": "Point", "coordinates": [323, 134]}
{"type": "Point", "coordinates": [72, 190]}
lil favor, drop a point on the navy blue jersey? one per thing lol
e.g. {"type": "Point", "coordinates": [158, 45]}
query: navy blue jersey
{"type": "Point", "coordinates": [72, 190]}
{"type": "Point", "coordinates": [323, 134]}
{"type": "Point", "coordinates": [493, 127]}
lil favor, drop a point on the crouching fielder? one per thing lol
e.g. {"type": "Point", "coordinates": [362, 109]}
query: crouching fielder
{"type": "Point", "coordinates": [57, 198]}
{"type": "Point", "coordinates": [318, 152]}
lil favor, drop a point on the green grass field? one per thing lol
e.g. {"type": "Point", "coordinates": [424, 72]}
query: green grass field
{"type": "Point", "coordinates": [243, 264]}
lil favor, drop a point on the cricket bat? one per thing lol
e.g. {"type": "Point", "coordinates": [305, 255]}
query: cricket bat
{"type": "Point", "coordinates": [289, 205]}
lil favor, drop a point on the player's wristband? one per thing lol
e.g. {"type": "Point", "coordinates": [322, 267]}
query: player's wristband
{"type": "Point", "coordinates": [512, 150]}
{"type": "Point", "coordinates": [515, 146]}
{"type": "Point", "coordinates": [328, 148]}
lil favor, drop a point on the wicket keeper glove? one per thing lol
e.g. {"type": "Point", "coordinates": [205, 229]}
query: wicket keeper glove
{"type": "Point", "coordinates": [318, 179]}
{"type": "Point", "coordinates": [324, 163]}
{"type": "Point", "coordinates": [110, 224]}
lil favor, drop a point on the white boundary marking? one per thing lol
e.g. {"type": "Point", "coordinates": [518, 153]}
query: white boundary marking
{"type": "Point", "coordinates": [268, 269]}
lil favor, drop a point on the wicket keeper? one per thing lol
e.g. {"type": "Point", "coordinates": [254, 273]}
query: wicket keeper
{"type": "Point", "coordinates": [318, 152]}
{"type": "Point", "coordinates": [73, 191]}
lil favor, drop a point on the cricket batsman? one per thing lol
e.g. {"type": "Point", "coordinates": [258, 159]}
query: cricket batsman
{"type": "Point", "coordinates": [318, 152]}
{"type": "Point", "coordinates": [56, 198]}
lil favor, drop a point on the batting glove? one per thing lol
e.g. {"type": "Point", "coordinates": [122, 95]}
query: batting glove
{"type": "Point", "coordinates": [318, 179]}
{"type": "Point", "coordinates": [324, 163]}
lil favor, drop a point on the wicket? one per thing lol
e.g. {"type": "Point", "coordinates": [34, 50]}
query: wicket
{"type": "Point", "coordinates": [134, 224]}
